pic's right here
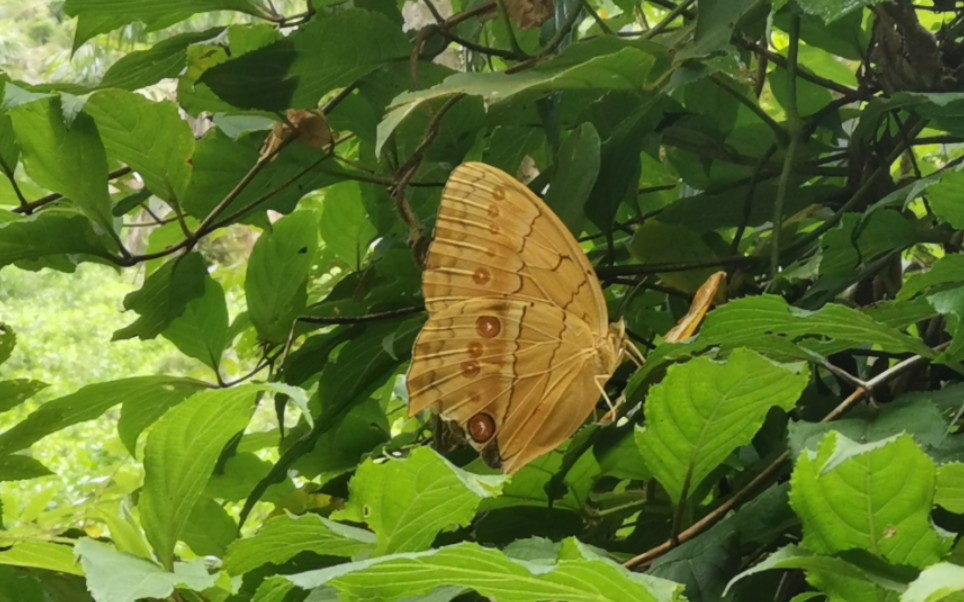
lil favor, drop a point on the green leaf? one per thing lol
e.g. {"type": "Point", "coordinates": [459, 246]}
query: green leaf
{"type": "Point", "coordinates": [275, 589]}
{"type": "Point", "coordinates": [792, 557]}
{"type": "Point", "coordinates": [574, 175]}
{"type": "Point", "coordinates": [950, 303]}
{"type": "Point", "coordinates": [54, 232]}
{"type": "Point", "coordinates": [236, 477]}
{"type": "Point", "coordinates": [148, 136]}
{"type": "Point", "coordinates": [164, 296]}
{"type": "Point", "coordinates": [21, 468]}
{"type": "Point", "coordinates": [715, 24]}
{"type": "Point", "coordinates": [45, 139]}
{"type": "Point", "coordinates": [220, 163]}
{"type": "Point", "coordinates": [706, 564]}
{"type": "Point", "coordinates": [8, 340]}
{"type": "Point", "coordinates": [120, 577]}
{"type": "Point", "coordinates": [345, 227]}
{"type": "Point", "coordinates": [950, 487]}
{"type": "Point", "coordinates": [810, 98]}
{"type": "Point", "coordinates": [407, 502]}
{"type": "Point", "coordinates": [577, 576]}
{"type": "Point", "coordinates": [946, 272]}
{"type": "Point", "coordinates": [102, 16]}
{"type": "Point", "coordinates": [919, 418]}
{"type": "Point", "coordinates": [166, 59]}
{"type": "Point", "coordinates": [655, 242]}
{"type": "Point", "coordinates": [597, 65]}
{"type": "Point", "coordinates": [340, 449]}
{"type": "Point", "coordinates": [768, 324]}
{"type": "Point", "coordinates": [89, 403]}
{"type": "Point", "coordinates": [276, 281]}
{"type": "Point", "coordinates": [41, 555]}
{"type": "Point", "coordinates": [181, 451]}
{"type": "Point", "coordinates": [210, 529]}
{"type": "Point", "coordinates": [947, 199]}
{"type": "Point", "coordinates": [201, 331]}
{"type": "Point", "coordinates": [283, 537]}
{"type": "Point", "coordinates": [875, 496]}
{"type": "Point", "coordinates": [16, 391]}
{"type": "Point", "coordinates": [321, 56]}
{"type": "Point", "coordinates": [703, 411]}
{"type": "Point", "coordinates": [937, 582]}
{"type": "Point", "coordinates": [831, 10]}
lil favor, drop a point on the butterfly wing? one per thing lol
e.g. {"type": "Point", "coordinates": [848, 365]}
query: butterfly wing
{"type": "Point", "coordinates": [516, 375]}
{"type": "Point", "coordinates": [495, 238]}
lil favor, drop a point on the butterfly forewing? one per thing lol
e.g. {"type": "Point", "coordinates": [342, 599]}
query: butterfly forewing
{"type": "Point", "coordinates": [494, 237]}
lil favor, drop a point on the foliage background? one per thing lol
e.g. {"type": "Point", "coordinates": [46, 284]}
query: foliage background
{"type": "Point", "coordinates": [161, 230]}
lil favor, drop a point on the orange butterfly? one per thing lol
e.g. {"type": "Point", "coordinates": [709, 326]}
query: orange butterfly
{"type": "Point", "coordinates": [518, 344]}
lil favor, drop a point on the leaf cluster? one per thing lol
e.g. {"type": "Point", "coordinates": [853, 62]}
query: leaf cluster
{"type": "Point", "coordinates": [803, 444]}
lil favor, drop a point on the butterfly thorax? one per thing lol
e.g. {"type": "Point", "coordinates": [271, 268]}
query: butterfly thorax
{"type": "Point", "coordinates": [610, 348]}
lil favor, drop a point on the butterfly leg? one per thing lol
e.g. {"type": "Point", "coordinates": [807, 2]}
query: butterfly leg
{"type": "Point", "coordinates": [600, 380]}
{"type": "Point", "coordinates": [634, 354]}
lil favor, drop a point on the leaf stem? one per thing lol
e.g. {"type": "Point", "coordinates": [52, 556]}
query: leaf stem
{"type": "Point", "coordinates": [795, 131]}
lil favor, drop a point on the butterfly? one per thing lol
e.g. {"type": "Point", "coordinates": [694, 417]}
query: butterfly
{"type": "Point", "coordinates": [518, 345]}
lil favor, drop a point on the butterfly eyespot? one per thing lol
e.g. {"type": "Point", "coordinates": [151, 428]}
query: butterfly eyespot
{"type": "Point", "coordinates": [493, 211]}
{"type": "Point", "coordinates": [488, 326]}
{"type": "Point", "coordinates": [481, 427]}
{"type": "Point", "coordinates": [494, 229]}
{"type": "Point", "coordinates": [481, 276]}
{"type": "Point", "coordinates": [470, 368]}
{"type": "Point", "coordinates": [475, 349]}
{"type": "Point", "coordinates": [498, 194]}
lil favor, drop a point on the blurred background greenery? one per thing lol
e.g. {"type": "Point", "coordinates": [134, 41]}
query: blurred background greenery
{"type": "Point", "coordinates": [64, 322]}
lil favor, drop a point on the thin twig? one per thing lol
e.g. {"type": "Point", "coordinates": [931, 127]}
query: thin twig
{"type": "Point", "coordinates": [660, 268]}
{"type": "Point", "coordinates": [29, 208]}
{"type": "Point", "coordinates": [795, 131]}
{"type": "Point", "coordinates": [406, 172]}
{"type": "Point", "coordinates": [243, 183]}
{"type": "Point", "coordinates": [372, 317]}
{"type": "Point", "coordinates": [782, 62]}
{"type": "Point", "coordinates": [677, 11]}
{"type": "Point", "coordinates": [13, 184]}
{"type": "Point", "coordinates": [865, 189]}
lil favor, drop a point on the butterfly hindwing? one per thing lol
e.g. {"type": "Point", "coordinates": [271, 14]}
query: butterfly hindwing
{"type": "Point", "coordinates": [510, 361]}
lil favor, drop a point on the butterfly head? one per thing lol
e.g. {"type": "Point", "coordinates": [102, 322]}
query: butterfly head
{"type": "Point", "coordinates": [611, 347]}
{"type": "Point", "coordinates": [621, 346]}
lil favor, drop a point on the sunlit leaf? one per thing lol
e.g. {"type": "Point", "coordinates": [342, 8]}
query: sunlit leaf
{"type": "Point", "coordinates": [704, 410]}
{"type": "Point", "coordinates": [41, 555]}
{"type": "Point", "coordinates": [950, 487]}
{"type": "Point", "coordinates": [16, 391]}
{"type": "Point", "coordinates": [875, 496]}
{"type": "Point", "coordinates": [578, 575]}
{"type": "Point", "coordinates": [44, 138]}
{"type": "Point", "coordinates": [408, 501]}
{"type": "Point", "coordinates": [129, 124]}
{"type": "Point", "coordinates": [164, 296]}
{"type": "Point", "coordinates": [276, 282]}
{"type": "Point", "coordinates": [119, 577]}
{"type": "Point", "coordinates": [283, 537]}
{"type": "Point", "coordinates": [165, 59]}
{"type": "Point", "coordinates": [89, 403]}
{"type": "Point", "coordinates": [179, 457]}
{"type": "Point", "coordinates": [345, 228]}
{"type": "Point", "coordinates": [16, 467]}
